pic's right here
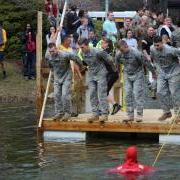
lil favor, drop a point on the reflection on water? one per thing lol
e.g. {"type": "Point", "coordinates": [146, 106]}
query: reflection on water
{"type": "Point", "coordinates": [23, 157]}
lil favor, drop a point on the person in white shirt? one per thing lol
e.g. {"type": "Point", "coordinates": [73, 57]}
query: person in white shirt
{"type": "Point", "coordinates": [132, 42]}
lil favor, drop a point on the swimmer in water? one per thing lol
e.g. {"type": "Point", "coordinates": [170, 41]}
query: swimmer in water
{"type": "Point", "coordinates": [131, 168]}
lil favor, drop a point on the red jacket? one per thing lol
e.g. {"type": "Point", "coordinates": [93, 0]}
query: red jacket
{"type": "Point", "coordinates": [53, 9]}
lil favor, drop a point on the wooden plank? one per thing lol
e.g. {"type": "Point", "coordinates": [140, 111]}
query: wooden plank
{"type": "Point", "coordinates": [110, 127]}
{"type": "Point", "coordinates": [39, 94]}
{"type": "Point", "coordinates": [114, 124]}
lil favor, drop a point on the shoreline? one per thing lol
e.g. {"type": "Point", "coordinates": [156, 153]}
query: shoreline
{"type": "Point", "coordinates": [15, 88]}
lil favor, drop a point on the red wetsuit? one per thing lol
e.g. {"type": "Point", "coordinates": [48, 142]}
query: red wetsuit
{"type": "Point", "coordinates": [131, 165]}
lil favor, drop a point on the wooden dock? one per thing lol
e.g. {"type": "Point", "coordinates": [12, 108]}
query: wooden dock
{"type": "Point", "coordinates": [114, 124]}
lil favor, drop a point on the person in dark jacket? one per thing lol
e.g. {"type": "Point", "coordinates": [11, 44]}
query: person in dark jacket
{"type": "Point", "coordinates": [72, 21]}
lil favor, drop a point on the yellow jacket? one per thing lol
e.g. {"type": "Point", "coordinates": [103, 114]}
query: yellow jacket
{"type": "Point", "coordinates": [4, 39]}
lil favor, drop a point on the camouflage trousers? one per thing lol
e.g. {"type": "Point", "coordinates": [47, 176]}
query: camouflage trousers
{"type": "Point", "coordinates": [62, 97]}
{"type": "Point", "coordinates": [134, 90]}
{"type": "Point", "coordinates": [169, 86]}
{"type": "Point", "coordinates": [98, 95]}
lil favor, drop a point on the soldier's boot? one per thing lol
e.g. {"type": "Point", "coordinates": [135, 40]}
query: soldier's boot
{"type": "Point", "coordinates": [128, 120]}
{"type": "Point", "coordinates": [57, 117]}
{"type": "Point", "coordinates": [103, 118]}
{"type": "Point", "coordinates": [177, 120]}
{"type": "Point", "coordinates": [165, 116]}
{"type": "Point", "coordinates": [66, 117]}
{"type": "Point", "coordinates": [116, 108]}
{"type": "Point", "coordinates": [93, 118]}
{"type": "Point", "coordinates": [139, 118]}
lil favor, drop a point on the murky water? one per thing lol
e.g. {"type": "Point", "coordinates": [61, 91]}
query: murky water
{"type": "Point", "coordinates": [22, 156]}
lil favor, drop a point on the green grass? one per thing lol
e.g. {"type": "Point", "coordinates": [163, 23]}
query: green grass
{"type": "Point", "coordinates": [15, 86]}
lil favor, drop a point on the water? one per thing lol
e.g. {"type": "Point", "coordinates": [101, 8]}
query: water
{"type": "Point", "coordinates": [23, 156]}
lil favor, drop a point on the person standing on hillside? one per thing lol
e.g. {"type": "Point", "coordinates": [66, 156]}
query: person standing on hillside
{"type": "Point", "coordinates": [30, 48]}
{"type": "Point", "coordinates": [3, 40]}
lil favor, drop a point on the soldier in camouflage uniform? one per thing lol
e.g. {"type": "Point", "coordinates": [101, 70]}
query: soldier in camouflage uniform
{"type": "Point", "coordinates": [133, 62]}
{"type": "Point", "coordinates": [176, 36]}
{"type": "Point", "coordinates": [60, 63]}
{"type": "Point", "coordinates": [167, 66]}
{"type": "Point", "coordinates": [97, 73]}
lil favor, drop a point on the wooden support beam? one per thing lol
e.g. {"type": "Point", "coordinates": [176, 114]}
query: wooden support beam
{"type": "Point", "coordinates": [114, 124]}
{"type": "Point", "coordinates": [39, 94]}
{"type": "Point", "coordinates": [82, 126]}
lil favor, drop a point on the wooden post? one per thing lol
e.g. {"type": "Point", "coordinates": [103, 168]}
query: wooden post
{"type": "Point", "coordinates": [106, 6]}
{"type": "Point", "coordinates": [39, 95]}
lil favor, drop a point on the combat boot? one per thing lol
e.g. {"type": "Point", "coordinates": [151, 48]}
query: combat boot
{"type": "Point", "coordinates": [177, 120]}
{"type": "Point", "coordinates": [57, 117]}
{"type": "Point", "coordinates": [116, 108]}
{"type": "Point", "coordinates": [103, 118]}
{"type": "Point", "coordinates": [165, 116]}
{"type": "Point", "coordinates": [93, 118]}
{"type": "Point", "coordinates": [127, 120]}
{"type": "Point", "coordinates": [66, 117]}
{"type": "Point", "coordinates": [139, 119]}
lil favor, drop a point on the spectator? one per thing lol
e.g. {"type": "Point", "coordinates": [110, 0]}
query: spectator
{"type": "Point", "coordinates": [3, 40]}
{"type": "Point", "coordinates": [83, 30]}
{"type": "Point", "coordinates": [92, 38]}
{"type": "Point", "coordinates": [167, 28]}
{"type": "Point", "coordinates": [52, 11]}
{"type": "Point", "coordinates": [103, 37]}
{"type": "Point", "coordinates": [72, 21]}
{"type": "Point", "coordinates": [110, 27]}
{"type": "Point", "coordinates": [127, 26]}
{"type": "Point", "coordinates": [137, 17]}
{"type": "Point", "coordinates": [132, 42]}
{"type": "Point", "coordinates": [51, 37]}
{"type": "Point", "coordinates": [30, 61]}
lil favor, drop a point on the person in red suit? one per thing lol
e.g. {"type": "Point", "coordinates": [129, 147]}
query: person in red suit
{"type": "Point", "coordinates": [131, 168]}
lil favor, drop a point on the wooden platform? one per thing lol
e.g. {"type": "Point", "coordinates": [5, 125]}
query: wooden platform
{"type": "Point", "coordinates": [114, 124]}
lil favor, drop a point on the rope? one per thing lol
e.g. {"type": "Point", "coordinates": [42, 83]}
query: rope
{"type": "Point", "coordinates": [169, 132]}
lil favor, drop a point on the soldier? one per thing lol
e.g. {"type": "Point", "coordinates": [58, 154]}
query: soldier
{"type": "Point", "coordinates": [167, 66]}
{"type": "Point", "coordinates": [176, 36]}
{"type": "Point", "coordinates": [133, 62]}
{"type": "Point", "coordinates": [60, 62]}
{"type": "Point", "coordinates": [97, 74]}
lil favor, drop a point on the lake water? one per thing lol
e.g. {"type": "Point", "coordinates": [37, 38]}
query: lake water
{"type": "Point", "coordinates": [23, 156]}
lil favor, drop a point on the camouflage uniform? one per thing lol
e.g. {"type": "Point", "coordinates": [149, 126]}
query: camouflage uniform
{"type": "Point", "coordinates": [62, 79]}
{"type": "Point", "coordinates": [97, 80]}
{"type": "Point", "coordinates": [133, 62]}
{"type": "Point", "coordinates": [168, 81]}
{"type": "Point", "coordinates": [176, 38]}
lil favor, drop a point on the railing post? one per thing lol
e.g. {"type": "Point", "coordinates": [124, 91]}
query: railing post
{"type": "Point", "coordinates": [39, 85]}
